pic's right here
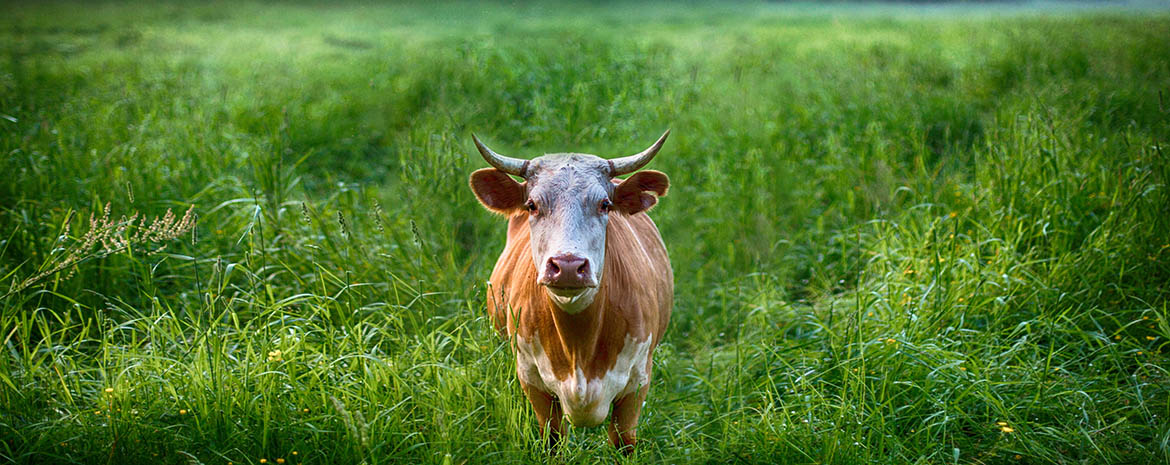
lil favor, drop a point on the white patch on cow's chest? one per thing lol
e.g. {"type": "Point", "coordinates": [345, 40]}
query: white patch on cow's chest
{"type": "Point", "coordinates": [585, 401]}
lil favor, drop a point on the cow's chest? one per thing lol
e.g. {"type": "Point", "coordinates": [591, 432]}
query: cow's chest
{"type": "Point", "coordinates": [586, 401]}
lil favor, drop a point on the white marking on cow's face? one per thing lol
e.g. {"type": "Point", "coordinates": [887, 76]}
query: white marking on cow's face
{"type": "Point", "coordinates": [568, 197]}
{"type": "Point", "coordinates": [570, 303]}
{"type": "Point", "coordinates": [585, 401]}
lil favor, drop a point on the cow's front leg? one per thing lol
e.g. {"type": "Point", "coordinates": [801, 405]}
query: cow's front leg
{"type": "Point", "coordinates": [625, 420]}
{"type": "Point", "coordinates": [548, 413]}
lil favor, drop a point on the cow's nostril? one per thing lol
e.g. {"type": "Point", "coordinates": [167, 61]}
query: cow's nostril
{"type": "Point", "coordinates": [553, 268]}
{"type": "Point", "coordinates": [584, 268]}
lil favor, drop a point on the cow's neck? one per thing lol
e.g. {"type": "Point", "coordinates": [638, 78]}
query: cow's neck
{"type": "Point", "coordinates": [580, 333]}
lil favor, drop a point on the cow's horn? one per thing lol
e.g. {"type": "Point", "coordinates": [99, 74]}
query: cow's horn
{"type": "Point", "coordinates": [630, 164]}
{"type": "Point", "coordinates": [513, 166]}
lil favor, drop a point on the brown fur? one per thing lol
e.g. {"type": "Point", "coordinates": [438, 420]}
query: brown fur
{"type": "Point", "coordinates": [634, 295]}
{"type": "Point", "coordinates": [635, 298]}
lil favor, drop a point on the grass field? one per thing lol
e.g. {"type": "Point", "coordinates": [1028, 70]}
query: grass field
{"type": "Point", "coordinates": [899, 235]}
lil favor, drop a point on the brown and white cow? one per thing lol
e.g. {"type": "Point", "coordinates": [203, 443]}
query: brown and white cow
{"type": "Point", "coordinates": [584, 286]}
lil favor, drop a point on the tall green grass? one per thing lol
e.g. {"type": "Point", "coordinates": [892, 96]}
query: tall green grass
{"type": "Point", "coordinates": [897, 236]}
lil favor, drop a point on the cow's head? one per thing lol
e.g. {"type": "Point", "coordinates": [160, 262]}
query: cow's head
{"type": "Point", "coordinates": [568, 198]}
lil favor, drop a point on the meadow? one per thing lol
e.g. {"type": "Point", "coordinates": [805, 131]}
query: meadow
{"type": "Point", "coordinates": [900, 234]}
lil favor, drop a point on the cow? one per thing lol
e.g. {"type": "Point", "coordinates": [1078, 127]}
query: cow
{"type": "Point", "coordinates": [583, 288]}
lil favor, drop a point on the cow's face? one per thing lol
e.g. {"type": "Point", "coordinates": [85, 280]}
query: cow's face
{"type": "Point", "coordinates": [568, 199]}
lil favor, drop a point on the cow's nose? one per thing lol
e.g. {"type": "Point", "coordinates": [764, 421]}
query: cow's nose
{"type": "Point", "coordinates": [567, 271]}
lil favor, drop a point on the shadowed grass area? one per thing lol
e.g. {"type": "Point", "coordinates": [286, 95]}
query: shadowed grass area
{"type": "Point", "coordinates": [898, 235]}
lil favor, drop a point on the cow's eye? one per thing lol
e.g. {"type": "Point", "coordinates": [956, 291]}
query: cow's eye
{"type": "Point", "coordinates": [606, 205]}
{"type": "Point", "coordinates": [531, 206]}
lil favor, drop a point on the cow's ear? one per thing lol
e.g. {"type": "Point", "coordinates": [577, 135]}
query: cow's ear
{"type": "Point", "coordinates": [496, 190]}
{"type": "Point", "coordinates": [640, 191]}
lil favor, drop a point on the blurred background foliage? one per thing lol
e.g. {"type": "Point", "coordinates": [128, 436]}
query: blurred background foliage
{"type": "Point", "coordinates": [898, 234]}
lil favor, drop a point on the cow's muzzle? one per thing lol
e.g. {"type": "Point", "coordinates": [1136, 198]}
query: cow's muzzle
{"type": "Point", "coordinates": [567, 274]}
